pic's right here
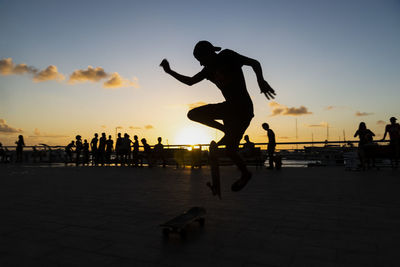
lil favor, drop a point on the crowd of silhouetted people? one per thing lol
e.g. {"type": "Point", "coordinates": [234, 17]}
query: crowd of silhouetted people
{"type": "Point", "coordinates": [102, 151]}
{"type": "Point", "coordinates": [368, 150]}
{"type": "Point", "coordinates": [125, 152]}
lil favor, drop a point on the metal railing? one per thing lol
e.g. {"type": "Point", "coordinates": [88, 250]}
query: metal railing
{"type": "Point", "coordinates": [288, 150]}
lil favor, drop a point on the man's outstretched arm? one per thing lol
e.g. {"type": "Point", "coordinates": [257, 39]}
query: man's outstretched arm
{"type": "Point", "coordinates": [265, 88]}
{"type": "Point", "coordinates": [183, 79]}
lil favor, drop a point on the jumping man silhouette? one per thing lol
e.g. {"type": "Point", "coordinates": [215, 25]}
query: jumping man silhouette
{"type": "Point", "coordinates": [224, 69]}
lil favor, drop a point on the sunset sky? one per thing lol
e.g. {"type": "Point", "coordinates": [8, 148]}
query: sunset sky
{"type": "Point", "coordinates": [80, 67]}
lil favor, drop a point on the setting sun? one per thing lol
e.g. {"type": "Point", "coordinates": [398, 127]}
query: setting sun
{"type": "Point", "coordinates": [193, 135]}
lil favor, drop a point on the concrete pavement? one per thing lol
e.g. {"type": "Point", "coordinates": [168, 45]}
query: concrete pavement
{"type": "Point", "coordinates": [110, 216]}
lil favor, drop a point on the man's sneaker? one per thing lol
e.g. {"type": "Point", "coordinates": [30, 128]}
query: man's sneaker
{"type": "Point", "coordinates": [239, 184]}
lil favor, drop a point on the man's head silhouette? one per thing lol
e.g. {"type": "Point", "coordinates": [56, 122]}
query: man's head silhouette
{"type": "Point", "coordinates": [204, 51]}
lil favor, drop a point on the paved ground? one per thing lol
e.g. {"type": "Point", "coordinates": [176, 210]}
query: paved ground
{"type": "Point", "coordinates": [109, 216]}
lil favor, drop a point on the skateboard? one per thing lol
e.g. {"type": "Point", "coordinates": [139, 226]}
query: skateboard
{"type": "Point", "coordinates": [179, 223]}
{"type": "Point", "coordinates": [215, 184]}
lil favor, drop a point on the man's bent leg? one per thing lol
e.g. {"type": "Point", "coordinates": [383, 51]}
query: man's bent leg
{"type": "Point", "coordinates": [207, 115]}
{"type": "Point", "coordinates": [233, 154]}
{"type": "Point", "coordinates": [232, 138]}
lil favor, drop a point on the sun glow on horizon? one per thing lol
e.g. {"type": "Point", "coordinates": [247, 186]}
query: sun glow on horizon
{"type": "Point", "coordinates": [193, 135]}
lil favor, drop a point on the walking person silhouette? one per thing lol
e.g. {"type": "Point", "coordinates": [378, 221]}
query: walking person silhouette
{"type": "Point", "coordinates": [271, 145]}
{"type": "Point", "coordinates": [224, 69]}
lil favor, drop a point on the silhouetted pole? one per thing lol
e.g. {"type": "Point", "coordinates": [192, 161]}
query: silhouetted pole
{"type": "Point", "coordinates": [327, 131]}
{"type": "Point", "coordinates": [296, 135]}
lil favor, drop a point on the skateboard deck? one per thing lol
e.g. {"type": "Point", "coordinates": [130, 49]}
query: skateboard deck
{"type": "Point", "coordinates": [179, 223]}
{"type": "Point", "coordinates": [215, 184]}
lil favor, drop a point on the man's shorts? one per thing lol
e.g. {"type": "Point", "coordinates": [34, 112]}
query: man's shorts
{"type": "Point", "coordinates": [236, 120]}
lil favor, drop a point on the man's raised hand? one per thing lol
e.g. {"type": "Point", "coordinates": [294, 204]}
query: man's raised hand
{"type": "Point", "coordinates": [267, 90]}
{"type": "Point", "coordinates": [165, 65]}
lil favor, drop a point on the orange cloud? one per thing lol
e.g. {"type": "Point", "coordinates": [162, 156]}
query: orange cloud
{"type": "Point", "coordinates": [38, 134]}
{"type": "Point", "coordinates": [321, 124]}
{"type": "Point", "coordinates": [148, 127]}
{"type": "Point", "coordinates": [6, 129]}
{"type": "Point", "coordinates": [116, 81]}
{"type": "Point", "coordinates": [360, 114]}
{"type": "Point", "coordinates": [50, 73]}
{"type": "Point", "coordinates": [134, 127]}
{"type": "Point", "coordinates": [278, 109]}
{"type": "Point", "coordinates": [7, 67]}
{"type": "Point", "coordinates": [381, 122]}
{"type": "Point", "coordinates": [90, 74]}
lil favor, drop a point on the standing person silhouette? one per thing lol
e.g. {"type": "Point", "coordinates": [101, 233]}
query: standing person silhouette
{"type": "Point", "coordinates": [85, 149]}
{"type": "Point", "coordinates": [20, 148]}
{"type": "Point", "coordinates": [102, 148]}
{"type": "Point", "coordinates": [135, 153]}
{"type": "Point", "coordinates": [248, 147]}
{"type": "Point", "coordinates": [393, 129]}
{"type": "Point", "coordinates": [118, 148]}
{"type": "Point", "coordinates": [366, 139]}
{"type": "Point", "coordinates": [224, 69]}
{"type": "Point", "coordinates": [271, 145]}
{"type": "Point", "coordinates": [147, 152]}
{"type": "Point", "coordinates": [93, 146]}
{"type": "Point", "coordinates": [78, 148]}
{"type": "Point", "coordinates": [109, 149]}
{"type": "Point", "coordinates": [159, 152]}
{"type": "Point", "coordinates": [126, 149]}
{"type": "Point", "coordinates": [68, 152]}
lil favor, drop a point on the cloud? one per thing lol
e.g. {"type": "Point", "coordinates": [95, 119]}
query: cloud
{"type": "Point", "coordinates": [148, 127]}
{"type": "Point", "coordinates": [38, 134]}
{"type": "Point", "coordinates": [50, 73]}
{"type": "Point", "coordinates": [90, 74]}
{"type": "Point", "coordinates": [134, 127]}
{"type": "Point", "coordinates": [7, 67]}
{"type": "Point", "coordinates": [119, 127]}
{"type": "Point", "coordinates": [336, 107]}
{"type": "Point", "coordinates": [6, 129]}
{"type": "Point", "coordinates": [278, 109]}
{"type": "Point", "coordinates": [103, 126]}
{"type": "Point", "coordinates": [381, 122]}
{"type": "Point", "coordinates": [322, 124]}
{"type": "Point", "coordinates": [96, 74]}
{"type": "Point", "coordinates": [360, 114]}
{"type": "Point", "coordinates": [116, 81]}
{"type": "Point", "coordinates": [195, 105]}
